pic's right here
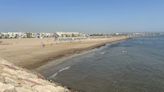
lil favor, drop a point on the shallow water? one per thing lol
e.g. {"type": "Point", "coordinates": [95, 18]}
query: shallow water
{"type": "Point", "coordinates": [136, 65]}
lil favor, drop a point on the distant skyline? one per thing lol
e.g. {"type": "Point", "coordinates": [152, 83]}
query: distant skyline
{"type": "Point", "coordinates": [89, 16]}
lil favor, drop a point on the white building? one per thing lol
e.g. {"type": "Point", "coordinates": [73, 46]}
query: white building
{"type": "Point", "coordinates": [17, 35]}
{"type": "Point", "coordinates": [71, 34]}
{"type": "Point", "coordinates": [61, 35]}
{"type": "Point", "coordinates": [4, 35]}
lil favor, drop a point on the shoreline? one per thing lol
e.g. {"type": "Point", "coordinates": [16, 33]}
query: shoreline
{"type": "Point", "coordinates": [32, 57]}
{"type": "Point", "coordinates": [28, 53]}
{"type": "Point", "coordinates": [72, 53]}
{"type": "Point", "coordinates": [61, 60]}
{"type": "Point", "coordinates": [67, 54]}
{"type": "Point", "coordinates": [62, 64]}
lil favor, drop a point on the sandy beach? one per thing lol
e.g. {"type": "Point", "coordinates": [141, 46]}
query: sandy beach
{"type": "Point", "coordinates": [30, 54]}
{"type": "Point", "coordinates": [19, 55]}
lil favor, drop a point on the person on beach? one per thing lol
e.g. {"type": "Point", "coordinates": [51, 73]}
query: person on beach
{"type": "Point", "coordinates": [42, 44]}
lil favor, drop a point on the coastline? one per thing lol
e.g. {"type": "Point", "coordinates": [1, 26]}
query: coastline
{"type": "Point", "coordinates": [67, 54]}
{"type": "Point", "coordinates": [54, 67]}
{"type": "Point", "coordinates": [28, 53]}
{"type": "Point", "coordinates": [44, 69]}
{"type": "Point", "coordinates": [17, 55]}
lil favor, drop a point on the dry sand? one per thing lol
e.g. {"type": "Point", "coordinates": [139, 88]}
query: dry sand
{"type": "Point", "coordinates": [30, 54]}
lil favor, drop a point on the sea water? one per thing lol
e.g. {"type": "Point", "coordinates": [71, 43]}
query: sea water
{"type": "Point", "coordinates": [135, 65]}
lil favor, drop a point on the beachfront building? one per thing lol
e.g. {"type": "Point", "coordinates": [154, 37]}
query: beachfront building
{"type": "Point", "coordinates": [10, 35]}
{"type": "Point", "coordinates": [13, 35]}
{"type": "Point", "coordinates": [44, 35]}
{"type": "Point", "coordinates": [17, 35]}
{"type": "Point", "coordinates": [4, 35]}
{"type": "Point", "coordinates": [70, 36]}
{"type": "Point", "coordinates": [57, 35]}
{"type": "Point", "coordinates": [99, 35]}
{"type": "Point", "coordinates": [30, 35]}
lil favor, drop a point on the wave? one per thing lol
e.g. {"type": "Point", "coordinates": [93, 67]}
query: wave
{"type": "Point", "coordinates": [124, 51]}
{"type": "Point", "coordinates": [102, 53]}
{"type": "Point", "coordinates": [63, 69]}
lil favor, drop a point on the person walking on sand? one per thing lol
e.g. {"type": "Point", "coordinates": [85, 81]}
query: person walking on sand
{"type": "Point", "coordinates": [42, 44]}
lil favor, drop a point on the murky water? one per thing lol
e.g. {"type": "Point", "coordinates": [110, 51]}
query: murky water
{"type": "Point", "coordinates": [136, 65]}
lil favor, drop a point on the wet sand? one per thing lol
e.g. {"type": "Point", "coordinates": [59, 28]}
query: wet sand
{"type": "Point", "coordinates": [30, 54]}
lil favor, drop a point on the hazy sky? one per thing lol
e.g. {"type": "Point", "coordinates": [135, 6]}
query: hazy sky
{"type": "Point", "coordinates": [100, 16]}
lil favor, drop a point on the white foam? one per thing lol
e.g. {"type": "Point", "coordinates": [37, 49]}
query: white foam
{"type": "Point", "coordinates": [102, 53]}
{"type": "Point", "coordinates": [54, 75]}
{"type": "Point", "coordinates": [63, 69]}
{"type": "Point", "coordinates": [124, 51]}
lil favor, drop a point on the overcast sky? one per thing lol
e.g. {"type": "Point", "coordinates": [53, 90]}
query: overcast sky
{"type": "Point", "coordinates": [90, 16]}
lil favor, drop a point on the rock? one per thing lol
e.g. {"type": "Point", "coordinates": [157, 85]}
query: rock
{"type": "Point", "coordinates": [23, 89]}
{"type": "Point", "coordinates": [10, 81]}
{"type": "Point", "coordinates": [10, 90]}
{"type": "Point", "coordinates": [6, 87]}
{"type": "Point", "coordinates": [49, 88]}
{"type": "Point", "coordinates": [39, 88]}
{"type": "Point", "coordinates": [16, 79]}
{"type": "Point", "coordinates": [2, 79]}
{"type": "Point", "coordinates": [61, 89]}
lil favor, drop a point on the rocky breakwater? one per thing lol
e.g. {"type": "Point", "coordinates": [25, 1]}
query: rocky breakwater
{"type": "Point", "coordinates": [16, 79]}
